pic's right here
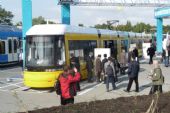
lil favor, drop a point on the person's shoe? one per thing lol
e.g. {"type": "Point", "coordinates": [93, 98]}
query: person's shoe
{"type": "Point", "coordinates": [115, 88]}
{"type": "Point", "coordinates": [137, 91]}
{"type": "Point", "coordinates": [126, 91]}
{"type": "Point", "coordinates": [107, 90]}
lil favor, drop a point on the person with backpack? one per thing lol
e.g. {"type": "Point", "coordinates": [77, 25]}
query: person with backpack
{"type": "Point", "coordinates": [157, 78]}
{"type": "Point", "coordinates": [68, 90]}
{"type": "Point", "coordinates": [110, 74]}
{"type": "Point", "coordinates": [133, 71]}
{"type": "Point", "coordinates": [116, 67]}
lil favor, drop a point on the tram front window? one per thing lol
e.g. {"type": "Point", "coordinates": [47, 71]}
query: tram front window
{"type": "Point", "coordinates": [44, 52]}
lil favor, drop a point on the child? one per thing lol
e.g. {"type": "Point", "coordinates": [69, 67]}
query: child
{"type": "Point", "coordinates": [157, 78]}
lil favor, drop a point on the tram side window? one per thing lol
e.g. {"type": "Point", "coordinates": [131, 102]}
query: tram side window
{"type": "Point", "coordinates": [10, 46]}
{"type": "Point", "coordinates": [60, 52]}
{"type": "Point", "coordinates": [2, 47]}
{"type": "Point", "coordinates": [15, 46]}
{"type": "Point", "coordinates": [132, 44]}
{"type": "Point", "coordinates": [140, 44]}
{"type": "Point", "coordinates": [124, 44]}
{"type": "Point", "coordinates": [82, 48]}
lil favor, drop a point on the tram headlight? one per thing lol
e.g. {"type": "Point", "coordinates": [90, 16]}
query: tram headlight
{"type": "Point", "coordinates": [50, 70]}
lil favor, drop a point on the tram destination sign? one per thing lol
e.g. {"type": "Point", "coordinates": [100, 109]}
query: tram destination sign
{"type": "Point", "coordinates": [162, 12]}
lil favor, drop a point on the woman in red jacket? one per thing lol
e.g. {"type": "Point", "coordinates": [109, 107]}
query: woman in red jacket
{"type": "Point", "coordinates": [66, 79]}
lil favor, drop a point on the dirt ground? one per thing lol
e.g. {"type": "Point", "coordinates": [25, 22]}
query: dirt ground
{"type": "Point", "coordinates": [138, 104]}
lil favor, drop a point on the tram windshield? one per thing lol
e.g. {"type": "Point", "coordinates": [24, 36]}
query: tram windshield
{"type": "Point", "coordinates": [45, 52]}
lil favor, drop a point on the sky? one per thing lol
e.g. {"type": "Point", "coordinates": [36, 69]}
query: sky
{"type": "Point", "coordinates": [86, 15]}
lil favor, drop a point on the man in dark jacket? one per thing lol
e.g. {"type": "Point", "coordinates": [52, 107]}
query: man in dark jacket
{"type": "Point", "coordinates": [74, 62]}
{"type": "Point", "coordinates": [89, 67]}
{"type": "Point", "coordinates": [151, 53]}
{"type": "Point", "coordinates": [135, 51]}
{"type": "Point", "coordinates": [133, 70]}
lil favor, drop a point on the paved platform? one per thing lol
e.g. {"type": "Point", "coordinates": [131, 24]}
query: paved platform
{"type": "Point", "coordinates": [14, 96]}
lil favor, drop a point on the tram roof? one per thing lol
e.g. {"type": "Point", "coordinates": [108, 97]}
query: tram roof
{"type": "Point", "coordinates": [7, 30]}
{"type": "Point", "coordinates": [61, 29]}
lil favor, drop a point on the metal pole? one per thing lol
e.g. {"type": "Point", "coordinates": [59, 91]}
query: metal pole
{"type": "Point", "coordinates": [26, 22]}
{"type": "Point", "coordinates": [65, 13]}
{"type": "Point", "coordinates": [159, 35]}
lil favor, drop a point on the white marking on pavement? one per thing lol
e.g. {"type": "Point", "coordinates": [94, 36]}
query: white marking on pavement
{"type": "Point", "coordinates": [11, 85]}
{"type": "Point", "coordinates": [85, 91]}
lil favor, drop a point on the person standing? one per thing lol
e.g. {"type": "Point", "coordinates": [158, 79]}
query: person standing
{"type": "Point", "coordinates": [66, 79]}
{"type": "Point", "coordinates": [166, 47]}
{"type": "Point", "coordinates": [110, 74]}
{"type": "Point", "coordinates": [135, 51]}
{"type": "Point", "coordinates": [130, 55]}
{"type": "Point", "coordinates": [122, 61]}
{"type": "Point", "coordinates": [74, 62]}
{"type": "Point", "coordinates": [89, 67]}
{"type": "Point", "coordinates": [133, 71]}
{"type": "Point", "coordinates": [103, 62]}
{"type": "Point", "coordinates": [116, 67]}
{"type": "Point", "coordinates": [151, 53]}
{"type": "Point", "coordinates": [98, 68]}
{"type": "Point", "coordinates": [157, 78]}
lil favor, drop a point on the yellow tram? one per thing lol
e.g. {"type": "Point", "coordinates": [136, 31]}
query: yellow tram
{"type": "Point", "coordinates": [48, 49]}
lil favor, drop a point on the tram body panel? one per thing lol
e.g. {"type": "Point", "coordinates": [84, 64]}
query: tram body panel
{"type": "Point", "coordinates": [9, 44]}
{"type": "Point", "coordinates": [40, 79]}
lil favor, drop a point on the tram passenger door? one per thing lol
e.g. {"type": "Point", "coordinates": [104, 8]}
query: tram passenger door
{"type": "Point", "coordinates": [125, 46]}
{"type": "Point", "coordinates": [81, 50]}
{"type": "Point", "coordinates": [10, 49]}
{"type": "Point", "coordinates": [15, 49]}
{"type": "Point", "coordinates": [112, 44]}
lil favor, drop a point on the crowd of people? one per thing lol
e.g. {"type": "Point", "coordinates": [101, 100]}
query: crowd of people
{"type": "Point", "coordinates": [106, 71]}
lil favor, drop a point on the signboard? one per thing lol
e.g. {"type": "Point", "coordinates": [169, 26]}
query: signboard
{"type": "Point", "coordinates": [145, 48]}
{"type": "Point", "coordinates": [163, 12]}
{"type": "Point", "coordinates": [102, 51]}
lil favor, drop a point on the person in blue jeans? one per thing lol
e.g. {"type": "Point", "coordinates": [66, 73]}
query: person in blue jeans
{"type": "Point", "coordinates": [110, 74]}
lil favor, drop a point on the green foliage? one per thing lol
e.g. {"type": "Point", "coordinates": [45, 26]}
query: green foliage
{"type": "Point", "coordinates": [103, 26]}
{"type": "Point", "coordinates": [38, 20]}
{"type": "Point", "coordinates": [81, 25]}
{"type": "Point", "coordinates": [139, 27]}
{"type": "Point", "coordinates": [5, 16]}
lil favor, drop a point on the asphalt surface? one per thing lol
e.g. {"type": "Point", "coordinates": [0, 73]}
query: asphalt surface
{"type": "Point", "coordinates": [15, 97]}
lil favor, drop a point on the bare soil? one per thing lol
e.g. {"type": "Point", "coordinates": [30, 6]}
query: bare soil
{"type": "Point", "coordinates": [138, 104]}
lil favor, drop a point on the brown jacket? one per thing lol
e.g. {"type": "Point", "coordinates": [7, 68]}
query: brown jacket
{"type": "Point", "coordinates": [123, 58]}
{"type": "Point", "coordinates": [98, 66]}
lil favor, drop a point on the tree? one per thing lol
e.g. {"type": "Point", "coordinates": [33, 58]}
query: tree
{"type": "Point", "coordinates": [41, 20]}
{"type": "Point", "coordinates": [5, 17]}
{"type": "Point", "coordinates": [128, 26]}
{"type": "Point", "coordinates": [19, 23]}
{"type": "Point", "coordinates": [81, 25]}
{"type": "Point", "coordinates": [38, 20]}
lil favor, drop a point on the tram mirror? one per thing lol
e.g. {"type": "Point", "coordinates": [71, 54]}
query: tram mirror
{"type": "Point", "coordinates": [59, 43]}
